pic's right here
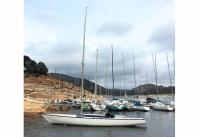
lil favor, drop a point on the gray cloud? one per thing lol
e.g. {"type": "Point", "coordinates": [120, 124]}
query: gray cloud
{"type": "Point", "coordinates": [66, 58]}
{"type": "Point", "coordinates": [66, 49]}
{"type": "Point", "coordinates": [164, 35]}
{"type": "Point", "coordinates": [115, 28]}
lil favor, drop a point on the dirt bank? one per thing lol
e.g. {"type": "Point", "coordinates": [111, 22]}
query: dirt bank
{"type": "Point", "coordinates": [39, 89]}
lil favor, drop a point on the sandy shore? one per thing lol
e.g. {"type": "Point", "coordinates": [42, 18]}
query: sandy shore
{"type": "Point", "coordinates": [33, 108]}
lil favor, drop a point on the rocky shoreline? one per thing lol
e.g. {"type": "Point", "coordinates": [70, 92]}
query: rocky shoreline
{"type": "Point", "coordinates": [39, 89]}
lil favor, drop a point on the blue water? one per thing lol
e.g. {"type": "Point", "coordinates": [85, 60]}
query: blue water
{"type": "Point", "coordinates": [159, 124]}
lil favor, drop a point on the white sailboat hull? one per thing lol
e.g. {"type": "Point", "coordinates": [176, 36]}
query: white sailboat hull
{"type": "Point", "coordinates": [98, 107]}
{"type": "Point", "coordinates": [141, 108]}
{"type": "Point", "coordinates": [71, 119]}
{"type": "Point", "coordinates": [160, 106]}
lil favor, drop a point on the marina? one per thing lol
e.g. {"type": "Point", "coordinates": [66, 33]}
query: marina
{"type": "Point", "coordinates": [136, 98]}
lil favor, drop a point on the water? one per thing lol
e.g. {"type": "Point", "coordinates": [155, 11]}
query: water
{"type": "Point", "coordinates": [159, 124]}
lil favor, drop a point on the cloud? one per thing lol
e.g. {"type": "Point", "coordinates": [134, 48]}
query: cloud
{"type": "Point", "coordinates": [164, 35]}
{"type": "Point", "coordinates": [115, 28]}
{"type": "Point", "coordinates": [58, 53]}
{"type": "Point", "coordinates": [53, 34]}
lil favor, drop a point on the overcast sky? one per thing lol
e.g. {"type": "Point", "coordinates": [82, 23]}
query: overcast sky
{"type": "Point", "coordinates": [54, 35]}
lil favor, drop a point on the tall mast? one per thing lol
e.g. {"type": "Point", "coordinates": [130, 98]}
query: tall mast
{"type": "Point", "coordinates": [155, 72]}
{"type": "Point", "coordinates": [106, 91]}
{"type": "Point", "coordinates": [82, 64]}
{"type": "Point", "coordinates": [123, 73]}
{"type": "Point", "coordinates": [147, 81]}
{"type": "Point", "coordinates": [95, 90]}
{"type": "Point", "coordinates": [174, 65]}
{"type": "Point", "coordinates": [170, 79]}
{"type": "Point", "coordinates": [120, 85]}
{"type": "Point", "coordinates": [100, 90]}
{"type": "Point", "coordinates": [134, 74]}
{"type": "Point", "coordinates": [59, 88]}
{"type": "Point", "coordinates": [112, 72]}
{"type": "Point", "coordinates": [174, 62]}
{"type": "Point", "coordinates": [139, 81]}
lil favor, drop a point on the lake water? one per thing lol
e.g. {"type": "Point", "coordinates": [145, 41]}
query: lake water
{"type": "Point", "coordinates": [159, 124]}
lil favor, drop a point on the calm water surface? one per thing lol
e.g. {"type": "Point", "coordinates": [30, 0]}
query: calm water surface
{"type": "Point", "coordinates": [159, 124]}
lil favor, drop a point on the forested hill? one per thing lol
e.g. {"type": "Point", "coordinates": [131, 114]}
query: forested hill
{"type": "Point", "coordinates": [34, 68]}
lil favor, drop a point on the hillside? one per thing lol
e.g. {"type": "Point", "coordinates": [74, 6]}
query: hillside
{"type": "Point", "coordinates": [88, 85]}
{"type": "Point", "coordinates": [38, 89]}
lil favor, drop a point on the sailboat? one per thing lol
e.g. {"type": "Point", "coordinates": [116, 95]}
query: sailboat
{"type": "Point", "coordinates": [118, 104]}
{"type": "Point", "coordinates": [92, 119]}
{"type": "Point", "coordinates": [137, 104]}
{"type": "Point", "coordinates": [97, 105]}
{"type": "Point", "coordinates": [126, 104]}
{"type": "Point", "coordinates": [172, 102]}
{"type": "Point", "coordinates": [124, 75]}
{"type": "Point", "coordinates": [158, 105]}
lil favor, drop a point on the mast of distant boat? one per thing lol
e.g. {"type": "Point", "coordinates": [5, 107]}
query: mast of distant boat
{"type": "Point", "coordinates": [106, 91]}
{"type": "Point", "coordinates": [147, 81]}
{"type": "Point", "coordinates": [134, 75]}
{"type": "Point", "coordinates": [155, 72]}
{"type": "Point", "coordinates": [59, 89]}
{"type": "Point", "coordinates": [174, 61]}
{"type": "Point", "coordinates": [170, 79]}
{"type": "Point", "coordinates": [112, 73]}
{"type": "Point", "coordinates": [82, 64]}
{"type": "Point", "coordinates": [139, 81]}
{"type": "Point", "coordinates": [95, 88]}
{"type": "Point", "coordinates": [174, 67]}
{"type": "Point", "coordinates": [123, 74]}
{"type": "Point", "coordinates": [120, 85]}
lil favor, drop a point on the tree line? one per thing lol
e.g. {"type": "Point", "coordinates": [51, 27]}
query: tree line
{"type": "Point", "coordinates": [32, 67]}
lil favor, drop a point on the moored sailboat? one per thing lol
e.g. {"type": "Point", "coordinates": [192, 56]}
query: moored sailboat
{"type": "Point", "coordinates": [92, 119]}
{"type": "Point", "coordinates": [158, 105]}
{"type": "Point", "coordinates": [137, 104]}
{"type": "Point", "coordinates": [97, 105]}
{"type": "Point", "coordinates": [172, 102]}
